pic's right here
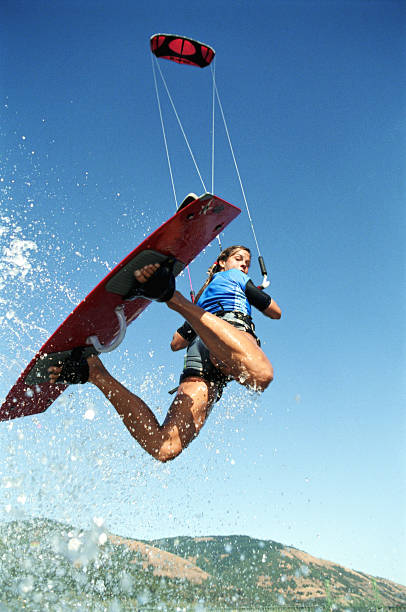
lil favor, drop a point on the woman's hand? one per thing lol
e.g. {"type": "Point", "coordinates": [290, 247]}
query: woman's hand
{"type": "Point", "coordinates": [178, 342]}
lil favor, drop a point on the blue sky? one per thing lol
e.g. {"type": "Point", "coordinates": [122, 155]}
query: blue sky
{"type": "Point", "coordinates": [314, 97]}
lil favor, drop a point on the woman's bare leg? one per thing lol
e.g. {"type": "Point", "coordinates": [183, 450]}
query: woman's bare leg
{"type": "Point", "coordinates": [235, 349]}
{"type": "Point", "coordinates": [186, 416]}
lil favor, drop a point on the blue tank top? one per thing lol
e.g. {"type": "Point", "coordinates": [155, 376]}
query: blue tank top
{"type": "Point", "coordinates": [226, 291]}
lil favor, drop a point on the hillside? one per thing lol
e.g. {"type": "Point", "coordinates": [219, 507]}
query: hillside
{"type": "Point", "coordinates": [45, 565]}
{"type": "Point", "coordinates": [272, 573]}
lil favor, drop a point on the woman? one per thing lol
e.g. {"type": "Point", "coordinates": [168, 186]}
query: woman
{"type": "Point", "coordinates": [221, 343]}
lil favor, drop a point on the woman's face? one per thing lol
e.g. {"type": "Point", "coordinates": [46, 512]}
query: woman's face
{"type": "Point", "coordinates": [239, 260]}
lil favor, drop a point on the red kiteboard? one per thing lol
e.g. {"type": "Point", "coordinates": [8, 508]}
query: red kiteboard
{"type": "Point", "coordinates": [100, 320]}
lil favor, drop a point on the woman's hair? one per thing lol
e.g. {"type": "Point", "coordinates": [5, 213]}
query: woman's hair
{"type": "Point", "coordinates": [224, 255]}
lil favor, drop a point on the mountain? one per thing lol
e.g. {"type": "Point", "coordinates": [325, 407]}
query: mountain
{"type": "Point", "coordinates": [47, 565]}
{"type": "Point", "coordinates": [270, 573]}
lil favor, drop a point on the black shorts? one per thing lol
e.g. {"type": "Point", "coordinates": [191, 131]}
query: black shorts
{"type": "Point", "coordinates": [197, 360]}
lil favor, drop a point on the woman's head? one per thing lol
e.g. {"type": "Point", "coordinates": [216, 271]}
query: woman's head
{"type": "Point", "coordinates": [234, 257]}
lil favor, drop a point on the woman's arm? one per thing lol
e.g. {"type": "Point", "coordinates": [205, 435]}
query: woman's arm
{"type": "Point", "coordinates": [273, 311]}
{"type": "Point", "coordinates": [262, 300]}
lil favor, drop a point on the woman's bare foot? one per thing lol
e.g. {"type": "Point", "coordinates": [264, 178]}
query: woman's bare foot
{"type": "Point", "coordinates": [145, 273]}
{"type": "Point", "coordinates": [54, 372]}
{"type": "Point", "coordinates": [97, 370]}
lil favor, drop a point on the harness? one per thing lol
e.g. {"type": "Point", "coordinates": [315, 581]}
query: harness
{"type": "Point", "coordinates": [239, 320]}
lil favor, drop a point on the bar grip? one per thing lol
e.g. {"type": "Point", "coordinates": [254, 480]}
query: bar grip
{"type": "Point", "coordinates": [265, 282]}
{"type": "Point", "coordinates": [262, 265]}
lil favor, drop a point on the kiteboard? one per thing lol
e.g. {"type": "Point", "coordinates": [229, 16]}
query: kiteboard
{"type": "Point", "coordinates": [99, 322]}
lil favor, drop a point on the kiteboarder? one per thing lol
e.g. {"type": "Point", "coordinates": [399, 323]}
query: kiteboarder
{"type": "Point", "coordinates": [221, 346]}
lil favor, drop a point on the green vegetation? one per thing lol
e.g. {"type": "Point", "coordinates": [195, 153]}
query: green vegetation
{"type": "Point", "coordinates": [45, 565]}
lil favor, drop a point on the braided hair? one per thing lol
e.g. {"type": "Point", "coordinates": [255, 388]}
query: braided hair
{"type": "Point", "coordinates": [224, 255]}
